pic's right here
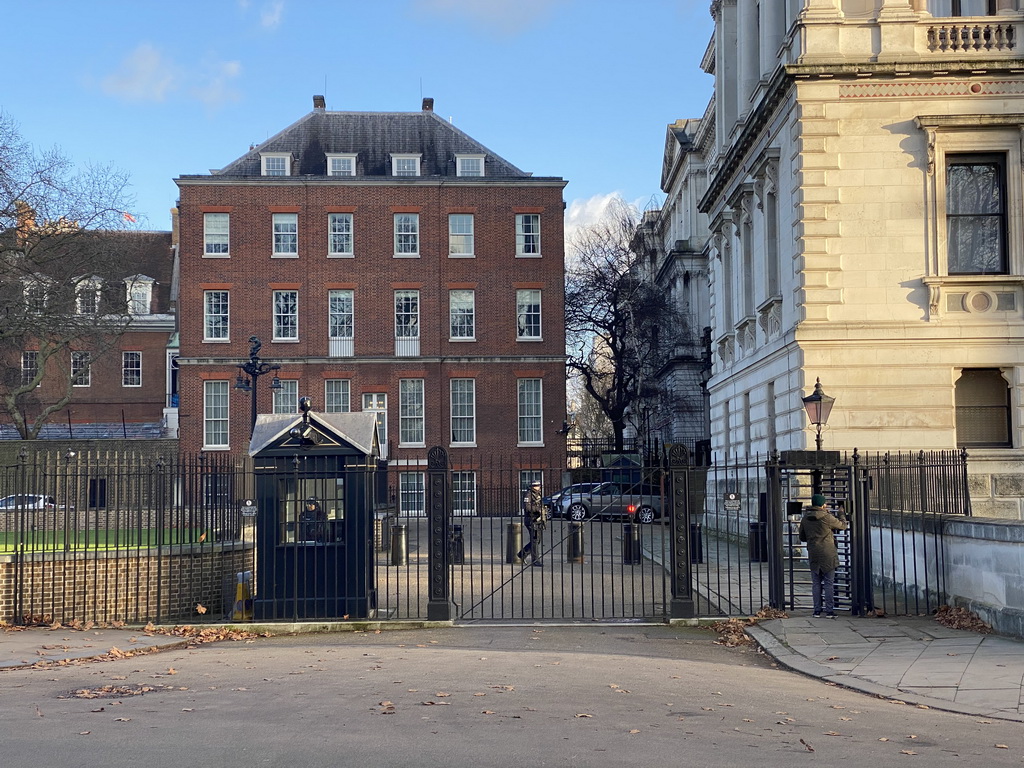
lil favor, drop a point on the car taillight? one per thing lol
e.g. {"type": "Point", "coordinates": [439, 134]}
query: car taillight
{"type": "Point", "coordinates": [631, 509]}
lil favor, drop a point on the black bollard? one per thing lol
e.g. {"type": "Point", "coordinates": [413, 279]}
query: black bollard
{"type": "Point", "coordinates": [631, 543]}
{"type": "Point", "coordinates": [456, 546]}
{"type": "Point", "coordinates": [574, 550]}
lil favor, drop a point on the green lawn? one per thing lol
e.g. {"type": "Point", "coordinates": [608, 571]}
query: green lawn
{"type": "Point", "coordinates": [101, 539]}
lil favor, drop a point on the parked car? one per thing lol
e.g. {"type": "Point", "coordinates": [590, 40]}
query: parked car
{"type": "Point", "coordinates": [27, 501]}
{"type": "Point", "coordinates": [610, 501]}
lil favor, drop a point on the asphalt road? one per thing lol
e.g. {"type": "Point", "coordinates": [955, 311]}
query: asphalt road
{"type": "Point", "coordinates": [471, 696]}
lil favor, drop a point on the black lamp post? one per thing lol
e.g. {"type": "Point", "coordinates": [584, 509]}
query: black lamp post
{"type": "Point", "coordinates": [255, 368]}
{"type": "Point", "coordinates": [818, 406]}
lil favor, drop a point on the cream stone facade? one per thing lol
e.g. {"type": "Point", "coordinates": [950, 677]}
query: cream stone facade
{"type": "Point", "coordinates": [864, 194]}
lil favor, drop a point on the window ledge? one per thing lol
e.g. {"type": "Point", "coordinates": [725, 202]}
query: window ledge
{"type": "Point", "coordinates": [529, 445]}
{"type": "Point", "coordinates": [461, 255]}
{"type": "Point", "coordinates": [412, 445]}
{"type": "Point", "coordinates": [218, 448]}
{"type": "Point", "coordinates": [341, 255]}
{"type": "Point", "coordinates": [406, 255]}
{"type": "Point", "coordinates": [462, 445]}
{"type": "Point", "coordinates": [284, 255]}
{"type": "Point", "coordinates": [529, 338]}
{"type": "Point", "coordinates": [461, 340]}
{"type": "Point", "coordinates": [216, 255]}
{"type": "Point", "coordinates": [284, 341]}
{"type": "Point", "coordinates": [528, 255]}
{"type": "Point", "coordinates": [216, 341]}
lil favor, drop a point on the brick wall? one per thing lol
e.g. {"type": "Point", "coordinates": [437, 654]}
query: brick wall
{"type": "Point", "coordinates": [136, 588]}
{"type": "Point", "coordinates": [496, 359]}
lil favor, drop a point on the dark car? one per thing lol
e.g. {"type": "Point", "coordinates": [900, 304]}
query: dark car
{"type": "Point", "coordinates": [610, 501]}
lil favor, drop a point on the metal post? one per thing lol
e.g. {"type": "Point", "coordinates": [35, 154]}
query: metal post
{"type": "Point", "coordinates": [399, 544]}
{"type": "Point", "coordinates": [631, 543]}
{"type": "Point", "coordinates": [574, 551]}
{"type": "Point", "coordinates": [683, 605]}
{"type": "Point", "coordinates": [439, 603]}
{"type": "Point", "coordinates": [514, 543]}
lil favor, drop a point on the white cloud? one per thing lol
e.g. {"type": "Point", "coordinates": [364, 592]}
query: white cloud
{"type": "Point", "coordinates": [271, 14]}
{"type": "Point", "coordinates": [504, 16]}
{"type": "Point", "coordinates": [583, 213]}
{"type": "Point", "coordinates": [144, 75]}
{"type": "Point", "coordinates": [218, 86]}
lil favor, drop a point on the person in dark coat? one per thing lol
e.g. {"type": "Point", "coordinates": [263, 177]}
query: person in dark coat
{"type": "Point", "coordinates": [817, 528]}
{"type": "Point", "coordinates": [535, 518]}
{"type": "Point", "coordinates": [312, 521]}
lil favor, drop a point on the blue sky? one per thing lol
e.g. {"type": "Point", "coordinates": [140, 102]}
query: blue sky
{"type": "Point", "coordinates": [581, 89]}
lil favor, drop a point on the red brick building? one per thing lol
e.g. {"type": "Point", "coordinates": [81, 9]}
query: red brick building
{"type": "Point", "coordinates": [387, 262]}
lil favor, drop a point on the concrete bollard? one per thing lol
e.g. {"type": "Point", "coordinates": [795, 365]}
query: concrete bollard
{"type": "Point", "coordinates": [399, 544]}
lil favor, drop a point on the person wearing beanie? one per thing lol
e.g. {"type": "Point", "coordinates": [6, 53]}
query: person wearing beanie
{"type": "Point", "coordinates": [817, 528]}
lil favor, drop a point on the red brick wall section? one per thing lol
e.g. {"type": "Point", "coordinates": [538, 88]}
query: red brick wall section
{"type": "Point", "coordinates": [495, 271]}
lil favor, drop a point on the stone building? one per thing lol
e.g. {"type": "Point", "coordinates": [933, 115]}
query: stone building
{"type": "Point", "coordinates": [864, 195]}
{"type": "Point", "coordinates": [387, 262]}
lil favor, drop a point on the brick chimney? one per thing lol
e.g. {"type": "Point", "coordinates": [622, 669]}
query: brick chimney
{"type": "Point", "coordinates": [25, 217]}
{"type": "Point", "coordinates": [319, 102]}
{"type": "Point", "coordinates": [428, 104]}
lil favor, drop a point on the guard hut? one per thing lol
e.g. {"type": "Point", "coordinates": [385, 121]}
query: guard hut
{"type": "Point", "coordinates": [314, 522]}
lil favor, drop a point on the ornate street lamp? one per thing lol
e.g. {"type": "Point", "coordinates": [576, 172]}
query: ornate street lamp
{"type": "Point", "coordinates": [255, 368]}
{"type": "Point", "coordinates": [818, 406]}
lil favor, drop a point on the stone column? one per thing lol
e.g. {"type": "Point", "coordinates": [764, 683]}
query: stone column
{"type": "Point", "coordinates": [726, 79]}
{"type": "Point", "coordinates": [773, 30]}
{"type": "Point", "coordinates": [748, 45]}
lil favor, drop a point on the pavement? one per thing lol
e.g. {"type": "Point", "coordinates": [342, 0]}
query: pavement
{"type": "Point", "coordinates": [912, 659]}
{"type": "Point", "coordinates": [909, 659]}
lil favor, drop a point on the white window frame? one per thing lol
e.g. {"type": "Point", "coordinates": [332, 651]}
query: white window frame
{"type": "Point", "coordinates": [343, 159]}
{"type": "Point", "coordinates": [139, 294]}
{"type": "Point", "coordinates": [528, 477]}
{"type": "Point", "coordinates": [216, 414]}
{"type": "Point", "coordinates": [337, 395]}
{"type": "Point", "coordinates": [340, 232]}
{"type": "Point", "coordinates": [462, 161]}
{"type": "Point", "coordinates": [530, 414]}
{"type": "Point", "coordinates": [89, 289]}
{"type": "Point", "coordinates": [524, 300]}
{"type": "Point", "coordinates": [461, 239]}
{"type": "Point", "coordinates": [281, 317]}
{"type": "Point", "coordinates": [286, 235]}
{"type": "Point", "coordinates": [528, 242]}
{"type": "Point", "coordinates": [37, 294]}
{"type": "Point", "coordinates": [411, 418]}
{"type": "Point", "coordinates": [412, 494]}
{"type": "Point", "coordinates": [286, 399]}
{"type": "Point", "coordinates": [208, 315]}
{"type": "Point", "coordinates": [405, 165]}
{"type": "Point", "coordinates": [131, 369]}
{"type": "Point", "coordinates": [341, 334]}
{"type": "Point", "coordinates": [216, 235]}
{"type": "Point", "coordinates": [377, 403]}
{"type": "Point", "coordinates": [456, 310]}
{"type": "Point", "coordinates": [407, 235]}
{"type": "Point", "coordinates": [271, 168]}
{"type": "Point", "coordinates": [462, 432]}
{"type": "Point", "coordinates": [81, 369]}
{"type": "Point", "coordinates": [463, 493]}
{"type": "Point", "coordinates": [29, 366]}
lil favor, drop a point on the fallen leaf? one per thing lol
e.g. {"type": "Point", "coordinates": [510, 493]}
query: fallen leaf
{"type": "Point", "coordinates": [883, 739]}
{"type": "Point", "coordinates": [84, 733]}
{"type": "Point", "coordinates": [583, 714]}
{"type": "Point", "coordinates": [39, 712]}
{"type": "Point", "coordinates": [907, 752]}
{"type": "Point", "coordinates": [491, 712]}
{"type": "Point", "coordinates": [187, 709]}
{"type": "Point", "coordinates": [1001, 746]}
{"type": "Point", "coordinates": [122, 719]}
{"type": "Point", "coordinates": [634, 730]}
{"type": "Point", "coordinates": [809, 747]}
{"type": "Point", "coordinates": [442, 695]}
{"type": "Point", "coordinates": [200, 608]}
{"type": "Point", "coordinates": [172, 671]}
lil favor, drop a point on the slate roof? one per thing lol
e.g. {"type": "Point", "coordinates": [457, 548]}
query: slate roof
{"type": "Point", "coordinates": [357, 429]}
{"type": "Point", "coordinates": [373, 137]}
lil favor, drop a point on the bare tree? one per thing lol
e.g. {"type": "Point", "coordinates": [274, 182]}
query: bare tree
{"type": "Point", "coordinates": [63, 235]}
{"type": "Point", "coordinates": [615, 319]}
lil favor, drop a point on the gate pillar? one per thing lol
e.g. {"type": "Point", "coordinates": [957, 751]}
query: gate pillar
{"type": "Point", "coordinates": [682, 606]}
{"type": "Point", "coordinates": [439, 602]}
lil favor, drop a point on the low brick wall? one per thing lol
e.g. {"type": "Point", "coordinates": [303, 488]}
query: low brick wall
{"type": "Point", "coordinates": [134, 587]}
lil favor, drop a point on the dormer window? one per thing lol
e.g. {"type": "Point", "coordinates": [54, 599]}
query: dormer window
{"type": "Point", "coordinates": [405, 165]}
{"type": "Point", "coordinates": [37, 294]}
{"type": "Point", "coordinates": [341, 165]}
{"type": "Point", "coordinates": [276, 163]}
{"type": "Point", "coordinates": [87, 296]}
{"type": "Point", "coordinates": [140, 294]}
{"type": "Point", "coordinates": [469, 165]}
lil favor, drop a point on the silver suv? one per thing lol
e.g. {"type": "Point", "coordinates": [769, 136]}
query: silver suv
{"type": "Point", "coordinates": [611, 500]}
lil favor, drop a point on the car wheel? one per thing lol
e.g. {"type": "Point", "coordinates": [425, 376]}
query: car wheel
{"type": "Point", "coordinates": [577, 512]}
{"type": "Point", "coordinates": [645, 515]}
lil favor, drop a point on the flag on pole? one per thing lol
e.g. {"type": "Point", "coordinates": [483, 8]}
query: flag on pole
{"type": "Point", "coordinates": [128, 216]}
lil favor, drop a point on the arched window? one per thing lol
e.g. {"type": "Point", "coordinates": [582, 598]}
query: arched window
{"type": "Point", "coordinates": [982, 409]}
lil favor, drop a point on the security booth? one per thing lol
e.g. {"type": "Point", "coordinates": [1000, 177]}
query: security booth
{"type": "Point", "coordinates": [314, 522]}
